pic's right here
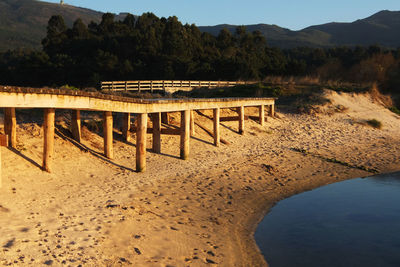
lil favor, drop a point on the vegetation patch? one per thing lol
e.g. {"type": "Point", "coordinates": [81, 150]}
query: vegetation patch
{"type": "Point", "coordinates": [374, 123]}
{"type": "Point", "coordinates": [395, 110]}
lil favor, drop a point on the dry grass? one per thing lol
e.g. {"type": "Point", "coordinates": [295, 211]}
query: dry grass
{"type": "Point", "coordinates": [380, 98]}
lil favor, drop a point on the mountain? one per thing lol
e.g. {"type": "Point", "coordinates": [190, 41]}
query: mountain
{"type": "Point", "coordinates": [23, 22]}
{"type": "Point", "coordinates": [382, 28]}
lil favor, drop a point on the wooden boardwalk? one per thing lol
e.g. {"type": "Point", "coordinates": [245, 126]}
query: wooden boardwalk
{"type": "Point", "coordinates": [48, 99]}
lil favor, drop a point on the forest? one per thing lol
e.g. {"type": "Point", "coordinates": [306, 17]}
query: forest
{"type": "Point", "coordinates": [148, 47]}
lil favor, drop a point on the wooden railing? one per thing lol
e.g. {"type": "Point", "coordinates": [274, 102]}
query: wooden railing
{"type": "Point", "coordinates": [166, 86]}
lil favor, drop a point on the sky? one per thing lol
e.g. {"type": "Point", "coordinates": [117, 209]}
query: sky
{"type": "Point", "coordinates": [292, 14]}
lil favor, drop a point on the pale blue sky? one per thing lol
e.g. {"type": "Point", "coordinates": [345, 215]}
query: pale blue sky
{"type": "Point", "coordinates": [292, 14]}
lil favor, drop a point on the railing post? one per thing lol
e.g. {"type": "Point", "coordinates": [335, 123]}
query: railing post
{"type": "Point", "coordinates": [139, 86]}
{"type": "Point", "coordinates": [10, 126]}
{"type": "Point", "coordinates": [48, 148]}
{"type": "Point", "coordinates": [126, 86]}
{"type": "Point", "coordinates": [151, 86]}
{"type": "Point", "coordinates": [141, 130]}
{"type": "Point", "coordinates": [126, 126]}
{"type": "Point", "coordinates": [156, 117]}
{"type": "Point", "coordinates": [108, 134]}
{"type": "Point", "coordinates": [241, 119]}
{"type": "Point", "coordinates": [216, 113]}
{"type": "Point", "coordinates": [185, 134]}
{"type": "Point", "coordinates": [76, 125]}
{"type": "Point", "coordinates": [262, 115]}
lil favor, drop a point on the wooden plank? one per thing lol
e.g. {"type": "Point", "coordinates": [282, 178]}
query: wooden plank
{"type": "Point", "coordinates": [76, 125]}
{"type": "Point", "coordinates": [48, 148]}
{"type": "Point", "coordinates": [126, 126]}
{"type": "Point", "coordinates": [261, 115]}
{"type": "Point", "coordinates": [156, 117]}
{"type": "Point", "coordinates": [185, 134]}
{"type": "Point", "coordinates": [216, 116]}
{"type": "Point", "coordinates": [10, 126]}
{"type": "Point", "coordinates": [241, 119]}
{"type": "Point", "coordinates": [108, 134]}
{"type": "Point", "coordinates": [141, 142]}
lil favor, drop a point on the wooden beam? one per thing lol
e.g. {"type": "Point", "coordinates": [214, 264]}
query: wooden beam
{"type": "Point", "coordinates": [232, 118]}
{"type": "Point", "coordinates": [241, 119]}
{"type": "Point", "coordinates": [10, 126]}
{"type": "Point", "coordinates": [192, 129]}
{"type": "Point", "coordinates": [141, 142]}
{"type": "Point", "coordinates": [216, 113]}
{"type": "Point", "coordinates": [156, 117]}
{"type": "Point", "coordinates": [108, 134]}
{"type": "Point", "coordinates": [185, 134]}
{"type": "Point", "coordinates": [165, 117]}
{"type": "Point", "coordinates": [76, 125]}
{"type": "Point", "coordinates": [261, 115]}
{"type": "Point", "coordinates": [48, 148]}
{"type": "Point", "coordinates": [126, 126]}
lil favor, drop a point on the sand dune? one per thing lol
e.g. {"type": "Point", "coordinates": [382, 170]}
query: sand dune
{"type": "Point", "coordinates": [94, 212]}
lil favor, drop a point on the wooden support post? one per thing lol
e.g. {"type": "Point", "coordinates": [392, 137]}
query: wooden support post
{"type": "Point", "coordinates": [185, 134]}
{"type": "Point", "coordinates": [141, 130]}
{"type": "Point", "coordinates": [1, 182]}
{"type": "Point", "coordinates": [241, 119]}
{"type": "Point", "coordinates": [3, 142]}
{"type": "Point", "coordinates": [10, 126]}
{"type": "Point", "coordinates": [108, 134]}
{"type": "Point", "coordinates": [262, 115]}
{"type": "Point", "coordinates": [192, 125]}
{"type": "Point", "coordinates": [48, 149]}
{"type": "Point", "coordinates": [165, 117]}
{"type": "Point", "coordinates": [126, 126]}
{"type": "Point", "coordinates": [76, 125]}
{"type": "Point", "coordinates": [217, 137]}
{"type": "Point", "coordinates": [156, 117]}
{"type": "Point", "coordinates": [272, 110]}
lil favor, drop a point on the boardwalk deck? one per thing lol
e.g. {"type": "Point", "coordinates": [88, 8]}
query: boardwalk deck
{"type": "Point", "coordinates": [50, 100]}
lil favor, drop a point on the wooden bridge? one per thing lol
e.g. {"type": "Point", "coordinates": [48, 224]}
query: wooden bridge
{"type": "Point", "coordinates": [12, 98]}
{"type": "Point", "coordinates": [166, 86]}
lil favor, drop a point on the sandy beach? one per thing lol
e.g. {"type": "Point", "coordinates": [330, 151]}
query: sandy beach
{"type": "Point", "coordinates": [91, 211]}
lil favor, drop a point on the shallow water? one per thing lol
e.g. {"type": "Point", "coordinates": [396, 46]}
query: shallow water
{"type": "Point", "coordinates": [350, 223]}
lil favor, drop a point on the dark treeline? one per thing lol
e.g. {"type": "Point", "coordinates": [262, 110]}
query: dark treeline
{"type": "Point", "coordinates": [148, 47]}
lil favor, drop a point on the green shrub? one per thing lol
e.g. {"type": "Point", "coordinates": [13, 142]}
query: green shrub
{"type": "Point", "coordinates": [374, 123]}
{"type": "Point", "coordinates": [395, 110]}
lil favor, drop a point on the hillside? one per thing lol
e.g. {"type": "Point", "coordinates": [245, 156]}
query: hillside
{"type": "Point", "coordinates": [381, 28]}
{"type": "Point", "coordinates": [23, 22]}
{"type": "Point", "coordinates": [23, 25]}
